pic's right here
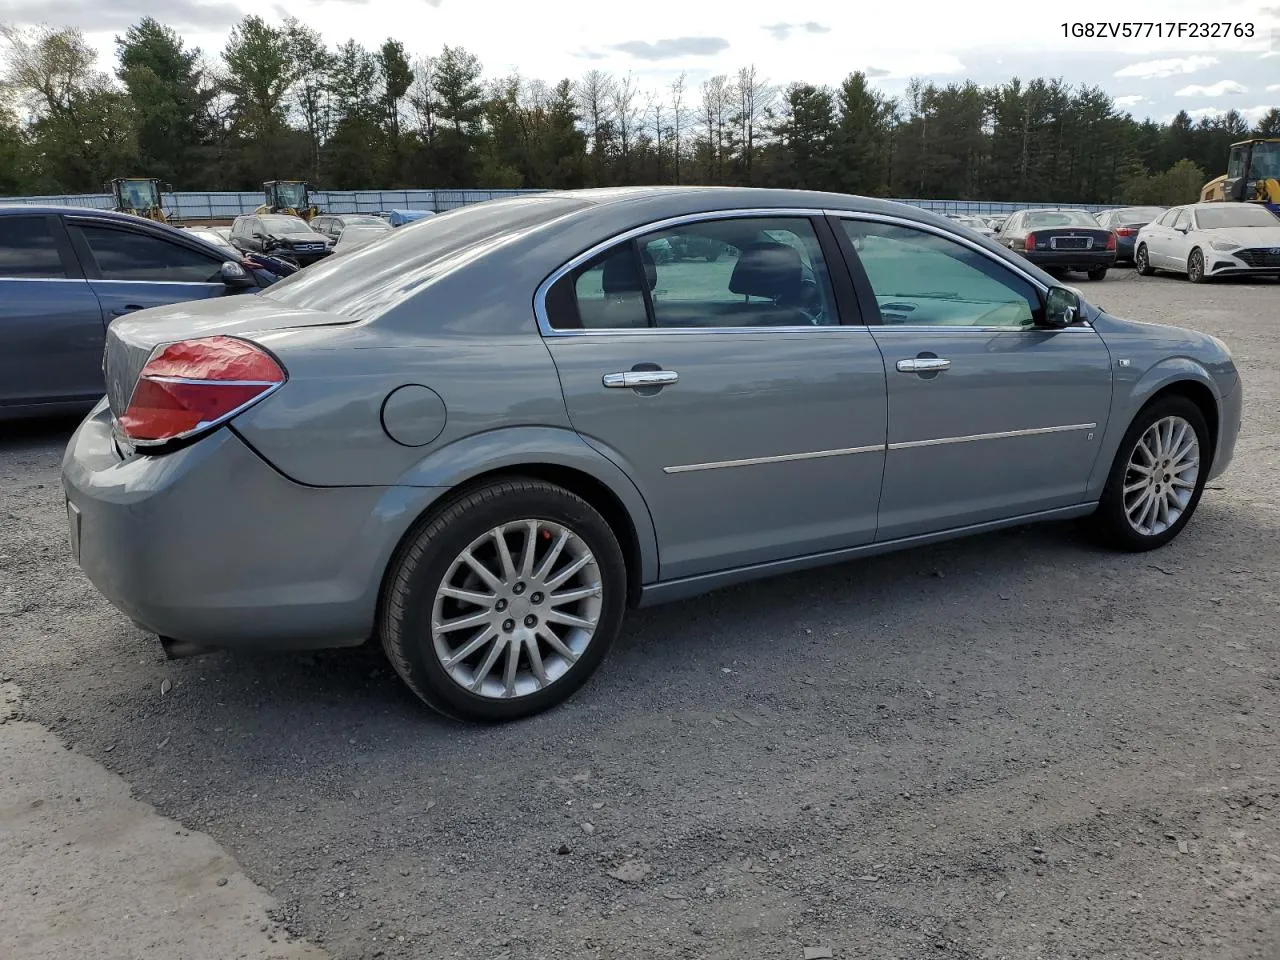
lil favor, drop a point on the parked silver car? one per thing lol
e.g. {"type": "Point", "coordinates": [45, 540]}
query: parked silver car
{"type": "Point", "coordinates": [483, 437]}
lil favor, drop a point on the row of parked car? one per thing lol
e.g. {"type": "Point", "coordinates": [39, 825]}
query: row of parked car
{"type": "Point", "coordinates": [1199, 240]}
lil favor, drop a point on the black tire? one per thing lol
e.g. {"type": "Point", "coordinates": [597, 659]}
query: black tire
{"type": "Point", "coordinates": [1142, 261]}
{"type": "Point", "coordinates": [1111, 520]}
{"type": "Point", "coordinates": [1097, 273]}
{"type": "Point", "coordinates": [1195, 267]}
{"type": "Point", "coordinates": [429, 551]}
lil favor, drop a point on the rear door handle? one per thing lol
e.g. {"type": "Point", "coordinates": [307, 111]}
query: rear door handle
{"type": "Point", "coordinates": [631, 379]}
{"type": "Point", "coordinates": [923, 365]}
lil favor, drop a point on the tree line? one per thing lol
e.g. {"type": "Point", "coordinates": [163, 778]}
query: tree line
{"type": "Point", "coordinates": [280, 103]}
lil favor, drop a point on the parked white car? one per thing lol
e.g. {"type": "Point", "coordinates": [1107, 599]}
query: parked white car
{"type": "Point", "coordinates": [358, 235]}
{"type": "Point", "coordinates": [1208, 240]}
{"type": "Point", "coordinates": [976, 224]}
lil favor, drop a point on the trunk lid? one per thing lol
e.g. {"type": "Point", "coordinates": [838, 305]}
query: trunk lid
{"type": "Point", "coordinates": [1071, 239]}
{"type": "Point", "coordinates": [131, 339]}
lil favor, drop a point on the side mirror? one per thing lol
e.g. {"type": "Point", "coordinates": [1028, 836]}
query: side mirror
{"type": "Point", "coordinates": [1061, 308]}
{"type": "Point", "coordinates": [235, 276]}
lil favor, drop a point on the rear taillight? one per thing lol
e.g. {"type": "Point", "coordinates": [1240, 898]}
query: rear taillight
{"type": "Point", "coordinates": [1125, 231]}
{"type": "Point", "coordinates": [193, 385]}
{"type": "Point", "coordinates": [1111, 241]}
{"type": "Point", "coordinates": [1030, 242]}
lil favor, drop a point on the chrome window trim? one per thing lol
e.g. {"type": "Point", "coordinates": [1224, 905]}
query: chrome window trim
{"type": "Point", "coordinates": [540, 295]}
{"type": "Point", "coordinates": [5, 279]}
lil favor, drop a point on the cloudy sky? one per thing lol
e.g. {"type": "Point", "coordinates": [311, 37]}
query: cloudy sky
{"type": "Point", "coordinates": [818, 42]}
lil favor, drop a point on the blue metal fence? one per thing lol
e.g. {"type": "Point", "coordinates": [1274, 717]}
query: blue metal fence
{"type": "Point", "coordinates": [224, 206]}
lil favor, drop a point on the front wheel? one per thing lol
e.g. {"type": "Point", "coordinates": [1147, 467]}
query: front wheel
{"type": "Point", "coordinates": [1142, 262]}
{"type": "Point", "coordinates": [1195, 267]}
{"type": "Point", "coordinates": [504, 603]}
{"type": "Point", "coordinates": [1157, 477]}
{"type": "Point", "coordinates": [1098, 273]}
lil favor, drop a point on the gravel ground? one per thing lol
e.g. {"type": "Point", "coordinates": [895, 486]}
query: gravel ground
{"type": "Point", "coordinates": [1014, 746]}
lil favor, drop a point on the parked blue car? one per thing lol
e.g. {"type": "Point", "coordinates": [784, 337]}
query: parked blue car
{"type": "Point", "coordinates": [67, 272]}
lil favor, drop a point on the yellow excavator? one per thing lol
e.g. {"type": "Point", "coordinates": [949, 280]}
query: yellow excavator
{"type": "Point", "coordinates": [288, 196]}
{"type": "Point", "coordinates": [138, 196]}
{"type": "Point", "coordinates": [1253, 175]}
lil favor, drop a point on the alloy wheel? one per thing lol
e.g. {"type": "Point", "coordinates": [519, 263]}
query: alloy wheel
{"type": "Point", "coordinates": [1195, 267]}
{"type": "Point", "coordinates": [1161, 475]}
{"type": "Point", "coordinates": [516, 609]}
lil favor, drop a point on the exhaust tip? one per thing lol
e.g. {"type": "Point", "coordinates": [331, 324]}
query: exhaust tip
{"type": "Point", "coordinates": [182, 649]}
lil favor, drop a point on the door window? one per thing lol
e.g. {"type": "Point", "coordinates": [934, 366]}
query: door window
{"type": "Point", "coordinates": [1184, 220]}
{"type": "Point", "coordinates": [1168, 218]}
{"type": "Point", "coordinates": [1235, 164]}
{"type": "Point", "coordinates": [922, 278]}
{"type": "Point", "coordinates": [28, 250]}
{"type": "Point", "coordinates": [126, 255]}
{"type": "Point", "coordinates": [735, 272]}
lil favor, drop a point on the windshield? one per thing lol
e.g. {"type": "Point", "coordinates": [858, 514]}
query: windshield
{"type": "Point", "coordinates": [140, 194]}
{"type": "Point", "coordinates": [1266, 161]}
{"type": "Point", "coordinates": [1235, 215]}
{"type": "Point", "coordinates": [372, 279]}
{"type": "Point", "coordinates": [364, 222]}
{"type": "Point", "coordinates": [976, 222]}
{"type": "Point", "coordinates": [291, 194]}
{"type": "Point", "coordinates": [1060, 218]}
{"type": "Point", "coordinates": [286, 225]}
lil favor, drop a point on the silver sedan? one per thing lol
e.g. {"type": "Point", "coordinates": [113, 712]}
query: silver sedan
{"type": "Point", "coordinates": [482, 438]}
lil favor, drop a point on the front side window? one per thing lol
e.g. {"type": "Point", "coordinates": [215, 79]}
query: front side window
{"type": "Point", "coordinates": [28, 250]}
{"type": "Point", "coordinates": [922, 278]}
{"type": "Point", "coordinates": [1184, 221]}
{"type": "Point", "coordinates": [735, 272]}
{"type": "Point", "coordinates": [125, 255]}
{"type": "Point", "coordinates": [1168, 218]}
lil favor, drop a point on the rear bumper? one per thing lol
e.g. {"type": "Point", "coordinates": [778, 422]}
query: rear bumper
{"type": "Point", "coordinates": [1125, 247]}
{"type": "Point", "coordinates": [211, 545]}
{"type": "Point", "coordinates": [1071, 259]}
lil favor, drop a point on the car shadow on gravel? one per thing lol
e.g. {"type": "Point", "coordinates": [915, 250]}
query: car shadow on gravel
{"type": "Point", "coordinates": [37, 433]}
{"type": "Point", "coordinates": [323, 708]}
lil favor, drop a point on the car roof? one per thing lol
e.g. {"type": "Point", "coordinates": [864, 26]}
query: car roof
{"type": "Point", "coordinates": [68, 210]}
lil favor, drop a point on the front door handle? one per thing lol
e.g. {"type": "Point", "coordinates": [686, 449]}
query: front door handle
{"type": "Point", "coordinates": [923, 365]}
{"type": "Point", "coordinates": [631, 379]}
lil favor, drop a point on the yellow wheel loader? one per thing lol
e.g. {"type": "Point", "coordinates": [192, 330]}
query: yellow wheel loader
{"type": "Point", "coordinates": [288, 196]}
{"type": "Point", "coordinates": [138, 196]}
{"type": "Point", "coordinates": [1253, 175]}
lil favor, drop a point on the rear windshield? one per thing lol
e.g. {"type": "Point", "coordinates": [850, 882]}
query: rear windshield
{"type": "Point", "coordinates": [1137, 214]}
{"type": "Point", "coordinates": [371, 280]}
{"type": "Point", "coordinates": [1060, 218]}
{"type": "Point", "coordinates": [1236, 215]}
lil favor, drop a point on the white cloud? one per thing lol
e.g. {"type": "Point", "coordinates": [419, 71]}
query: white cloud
{"type": "Point", "coordinates": [1131, 100]}
{"type": "Point", "coordinates": [1219, 89]}
{"type": "Point", "coordinates": [1251, 114]}
{"type": "Point", "coordinates": [1273, 88]}
{"type": "Point", "coordinates": [1154, 69]}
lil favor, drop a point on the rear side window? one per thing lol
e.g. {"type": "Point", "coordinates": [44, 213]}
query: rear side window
{"type": "Point", "coordinates": [125, 255]}
{"type": "Point", "coordinates": [28, 250]}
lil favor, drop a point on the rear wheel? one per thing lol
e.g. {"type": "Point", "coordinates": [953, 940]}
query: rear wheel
{"type": "Point", "coordinates": [504, 603]}
{"type": "Point", "coordinates": [1098, 273]}
{"type": "Point", "coordinates": [1195, 267]}
{"type": "Point", "coordinates": [1157, 477]}
{"type": "Point", "coordinates": [1141, 262]}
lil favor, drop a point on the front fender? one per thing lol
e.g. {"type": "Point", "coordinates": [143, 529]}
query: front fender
{"type": "Point", "coordinates": [513, 447]}
{"type": "Point", "coordinates": [1132, 388]}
